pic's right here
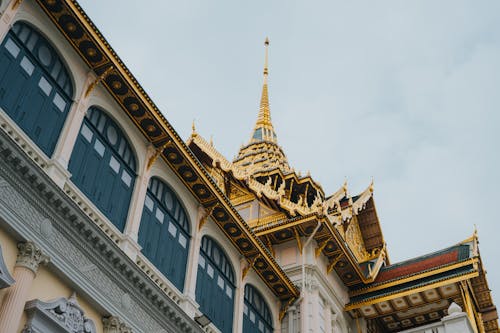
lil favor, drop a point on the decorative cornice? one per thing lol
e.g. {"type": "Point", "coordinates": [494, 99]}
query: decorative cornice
{"type": "Point", "coordinates": [76, 230]}
{"type": "Point", "coordinates": [246, 174]}
{"type": "Point", "coordinates": [411, 290]}
{"type": "Point", "coordinates": [30, 256]}
{"type": "Point", "coordinates": [89, 43]}
{"type": "Point", "coordinates": [302, 212]}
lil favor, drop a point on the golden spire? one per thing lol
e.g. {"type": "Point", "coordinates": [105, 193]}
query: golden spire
{"type": "Point", "coordinates": [193, 127]}
{"type": "Point", "coordinates": [264, 130]}
{"type": "Point", "coordinates": [263, 139]}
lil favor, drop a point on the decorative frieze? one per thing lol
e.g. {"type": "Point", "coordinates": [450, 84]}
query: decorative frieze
{"type": "Point", "coordinates": [79, 248]}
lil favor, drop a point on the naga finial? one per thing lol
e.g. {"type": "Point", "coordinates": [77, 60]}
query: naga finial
{"type": "Point", "coordinates": [193, 127]}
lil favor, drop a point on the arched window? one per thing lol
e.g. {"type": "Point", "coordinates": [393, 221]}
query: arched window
{"type": "Point", "coordinates": [103, 166]}
{"type": "Point", "coordinates": [256, 314]}
{"type": "Point", "coordinates": [215, 285]}
{"type": "Point", "coordinates": [35, 87]}
{"type": "Point", "coordinates": [164, 232]}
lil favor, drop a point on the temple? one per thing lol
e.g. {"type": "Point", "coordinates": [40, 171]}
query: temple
{"type": "Point", "coordinates": [110, 222]}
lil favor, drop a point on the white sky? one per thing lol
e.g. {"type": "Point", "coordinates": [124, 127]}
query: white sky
{"type": "Point", "coordinates": [406, 92]}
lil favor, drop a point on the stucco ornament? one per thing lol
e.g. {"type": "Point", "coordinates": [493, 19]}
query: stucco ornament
{"type": "Point", "coordinates": [113, 324]}
{"type": "Point", "coordinates": [30, 256]}
{"type": "Point", "coordinates": [61, 315]}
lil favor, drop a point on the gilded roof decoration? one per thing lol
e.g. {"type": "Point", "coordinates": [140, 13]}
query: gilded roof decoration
{"type": "Point", "coordinates": [264, 130]}
{"type": "Point", "coordinates": [336, 213]}
{"type": "Point", "coordinates": [88, 42]}
{"type": "Point", "coordinates": [401, 295]}
{"type": "Point", "coordinates": [246, 174]}
{"type": "Point", "coordinates": [395, 296]}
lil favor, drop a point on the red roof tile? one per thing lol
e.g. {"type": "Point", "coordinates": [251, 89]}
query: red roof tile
{"type": "Point", "coordinates": [412, 267]}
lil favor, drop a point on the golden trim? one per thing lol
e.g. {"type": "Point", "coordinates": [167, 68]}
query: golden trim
{"type": "Point", "coordinates": [297, 238]}
{"type": "Point", "coordinates": [168, 131]}
{"type": "Point", "coordinates": [242, 199]}
{"type": "Point", "coordinates": [247, 268]}
{"type": "Point", "coordinates": [204, 218]}
{"type": "Point", "coordinates": [98, 80]}
{"type": "Point", "coordinates": [438, 270]}
{"type": "Point", "coordinates": [286, 225]}
{"type": "Point", "coordinates": [469, 309]}
{"type": "Point", "coordinates": [320, 248]}
{"type": "Point", "coordinates": [262, 221]}
{"type": "Point", "coordinates": [157, 153]}
{"type": "Point", "coordinates": [285, 308]}
{"type": "Point", "coordinates": [348, 254]}
{"type": "Point", "coordinates": [332, 264]}
{"type": "Point", "coordinates": [357, 325]}
{"type": "Point", "coordinates": [270, 246]}
{"type": "Point", "coordinates": [16, 4]}
{"type": "Point", "coordinates": [434, 285]}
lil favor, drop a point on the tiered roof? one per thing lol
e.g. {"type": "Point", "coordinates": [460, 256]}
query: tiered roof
{"type": "Point", "coordinates": [420, 290]}
{"type": "Point", "coordinates": [120, 83]}
{"type": "Point", "coordinates": [348, 233]}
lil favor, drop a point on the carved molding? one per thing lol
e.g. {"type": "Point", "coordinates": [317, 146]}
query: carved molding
{"type": "Point", "coordinates": [113, 324]}
{"type": "Point", "coordinates": [58, 316]}
{"type": "Point", "coordinates": [30, 256]}
{"type": "Point", "coordinates": [80, 249]}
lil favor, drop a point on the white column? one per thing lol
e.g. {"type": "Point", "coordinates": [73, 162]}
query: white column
{"type": "Point", "coordinates": [291, 319]}
{"type": "Point", "coordinates": [304, 313]}
{"type": "Point", "coordinates": [328, 318]}
{"type": "Point", "coordinates": [334, 322]}
{"type": "Point", "coordinates": [190, 306]}
{"type": "Point", "coordinates": [58, 165]}
{"type": "Point", "coordinates": [314, 310]}
{"type": "Point", "coordinates": [277, 322]}
{"type": "Point", "coordinates": [7, 17]}
{"type": "Point", "coordinates": [29, 258]}
{"type": "Point", "coordinates": [131, 233]}
{"type": "Point", "coordinates": [239, 297]}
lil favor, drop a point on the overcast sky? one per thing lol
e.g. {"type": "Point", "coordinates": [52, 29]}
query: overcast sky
{"type": "Point", "coordinates": [406, 92]}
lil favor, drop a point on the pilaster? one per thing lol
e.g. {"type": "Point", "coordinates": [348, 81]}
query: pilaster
{"type": "Point", "coordinates": [194, 255]}
{"type": "Point", "coordinates": [239, 297]}
{"type": "Point", "coordinates": [7, 17]}
{"type": "Point", "coordinates": [29, 258]}
{"type": "Point", "coordinates": [58, 165]}
{"type": "Point", "coordinates": [328, 318]}
{"type": "Point", "coordinates": [291, 312]}
{"type": "Point", "coordinates": [138, 198]}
